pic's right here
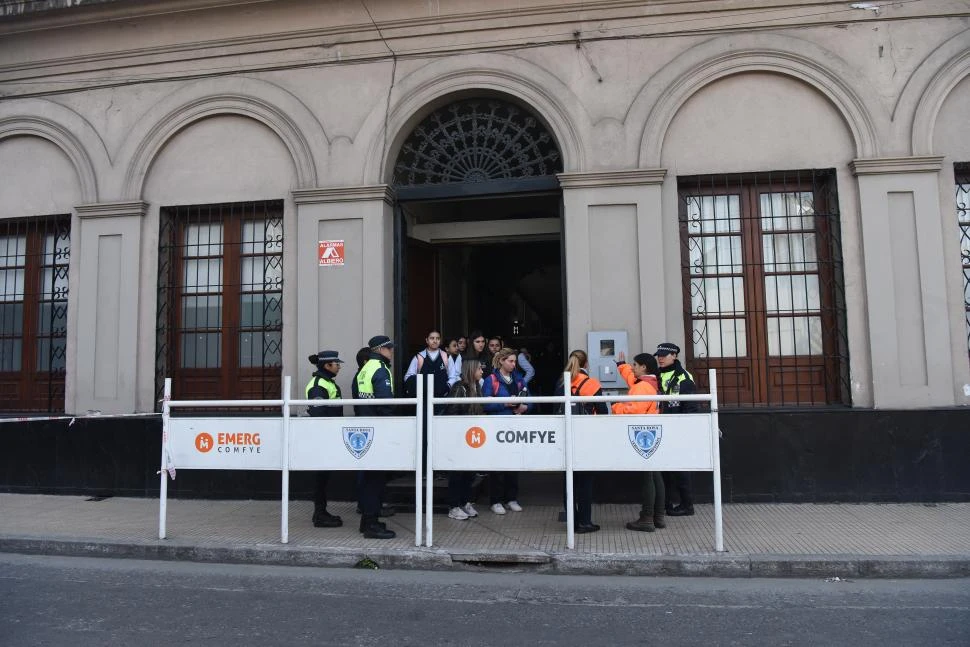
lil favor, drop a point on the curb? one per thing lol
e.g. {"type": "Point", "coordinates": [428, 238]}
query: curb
{"type": "Point", "coordinates": [430, 559]}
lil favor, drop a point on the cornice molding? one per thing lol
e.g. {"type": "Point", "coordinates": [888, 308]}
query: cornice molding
{"type": "Point", "coordinates": [892, 165]}
{"type": "Point", "coordinates": [596, 179]}
{"type": "Point", "coordinates": [345, 194]}
{"type": "Point", "coordinates": [536, 16]}
{"type": "Point", "coordinates": [112, 209]}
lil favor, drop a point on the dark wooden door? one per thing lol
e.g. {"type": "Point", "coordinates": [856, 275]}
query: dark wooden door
{"type": "Point", "coordinates": [423, 294]}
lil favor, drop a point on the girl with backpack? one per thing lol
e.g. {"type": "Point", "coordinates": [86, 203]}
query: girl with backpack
{"type": "Point", "coordinates": [459, 483]}
{"type": "Point", "coordinates": [504, 383]}
{"type": "Point", "coordinates": [581, 383]}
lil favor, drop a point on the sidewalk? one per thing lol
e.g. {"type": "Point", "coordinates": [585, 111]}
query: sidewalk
{"type": "Point", "coordinates": [761, 540]}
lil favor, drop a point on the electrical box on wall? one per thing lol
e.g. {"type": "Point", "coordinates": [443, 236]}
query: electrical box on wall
{"type": "Point", "coordinates": [603, 346]}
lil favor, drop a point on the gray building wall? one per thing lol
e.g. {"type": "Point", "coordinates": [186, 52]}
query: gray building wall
{"type": "Point", "coordinates": [133, 108]}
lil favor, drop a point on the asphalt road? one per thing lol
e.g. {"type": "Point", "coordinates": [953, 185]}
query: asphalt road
{"type": "Point", "coordinates": [88, 601]}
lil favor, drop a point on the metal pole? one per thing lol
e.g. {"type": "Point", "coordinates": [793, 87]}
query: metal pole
{"type": "Point", "coordinates": [429, 471]}
{"type": "Point", "coordinates": [163, 484]}
{"type": "Point", "coordinates": [418, 467]}
{"type": "Point", "coordinates": [285, 503]}
{"type": "Point", "coordinates": [716, 459]}
{"type": "Point", "coordinates": [570, 505]}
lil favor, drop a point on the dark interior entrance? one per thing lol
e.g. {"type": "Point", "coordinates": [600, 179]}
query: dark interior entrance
{"type": "Point", "coordinates": [478, 232]}
{"type": "Point", "coordinates": [491, 264]}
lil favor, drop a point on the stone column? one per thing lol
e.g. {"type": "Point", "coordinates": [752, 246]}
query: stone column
{"type": "Point", "coordinates": [612, 225]}
{"type": "Point", "coordinates": [340, 307]}
{"type": "Point", "coordinates": [105, 337]}
{"type": "Point", "coordinates": [908, 307]}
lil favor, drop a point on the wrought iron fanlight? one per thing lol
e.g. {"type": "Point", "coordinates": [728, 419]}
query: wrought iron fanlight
{"type": "Point", "coordinates": [476, 140]}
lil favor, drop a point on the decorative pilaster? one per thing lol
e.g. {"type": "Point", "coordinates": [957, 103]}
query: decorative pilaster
{"type": "Point", "coordinates": [611, 223]}
{"type": "Point", "coordinates": [105, 298]}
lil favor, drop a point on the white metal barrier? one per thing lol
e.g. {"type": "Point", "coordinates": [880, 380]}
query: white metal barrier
{"type": "Point", "coordinates": [568, 443]}
{"type": "Point", "coordinates": [288, 443]}
{"type": "Point", "coordinates": [530, 443]}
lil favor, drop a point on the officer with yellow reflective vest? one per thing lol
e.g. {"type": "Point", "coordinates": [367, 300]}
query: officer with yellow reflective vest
{"type": "Point", "coordinates": [374, 381]}
{"type": "Point", "coordinates": [674, 379]}
{"type": "Point", "coordinates": [323, 387]}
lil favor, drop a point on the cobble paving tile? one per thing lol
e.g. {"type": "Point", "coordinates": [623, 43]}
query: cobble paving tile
{"type": "Point", "coordinates": [754, 529]}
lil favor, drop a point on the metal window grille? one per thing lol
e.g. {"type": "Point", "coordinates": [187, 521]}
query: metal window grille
{"type": "Point", "coordinates": [220, 300]}
{"type": "Point", "coordinates": [34, 256]}
{"type": "Point", "coordinates": [475, 140]}
{"type": "Point", "coordinates": [764, 302]}
{"type": "Point", "coordinates": [962, 174]}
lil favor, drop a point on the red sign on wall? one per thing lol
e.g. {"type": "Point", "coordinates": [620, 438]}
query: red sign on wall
{"type": "Point", "coordinates": [331, 253]}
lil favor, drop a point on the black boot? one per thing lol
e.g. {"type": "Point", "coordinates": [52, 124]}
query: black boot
{"type": "Point", "coordinates": [323, 519]}
{"type": "Point", "coordinates": [681, 511]}
{"type": "Point", "coordinates": [374, 529]}
{"type": "Point", "coordinates": [645, 523]}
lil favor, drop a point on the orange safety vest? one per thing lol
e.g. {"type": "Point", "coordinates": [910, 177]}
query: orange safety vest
{"type": "Point", "coordinates": [583, 384]}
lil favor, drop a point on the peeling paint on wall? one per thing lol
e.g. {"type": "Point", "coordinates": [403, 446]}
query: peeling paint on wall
{"type": "Point", "coordinates": [37, 6]}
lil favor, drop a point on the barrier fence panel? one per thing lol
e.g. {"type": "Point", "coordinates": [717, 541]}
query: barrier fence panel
{"type": "Point", "coordinates": [567, 443]}
{"type": "Point", "coordinates": [361, 443]}
{"type": "Point", "coordinates": [500, 443]}
{"type": "Point", "coordinates": [636, 443]}
{"type": "Point", "coordinates": [291, 443]}
{"type": "Point", "coordinates": [336, 444]}
{"type": "Point", "coordinates": [226, 443]}
{"type": "Point", "coordinates": [558, 443]}
{"type": "Point", "coordinates": [494, 444]}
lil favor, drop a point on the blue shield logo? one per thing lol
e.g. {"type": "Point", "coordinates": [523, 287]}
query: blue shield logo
{"type": "Point", "coordinates": [358, 440]}
{"type": "Point", "coordinates": [645, 438]}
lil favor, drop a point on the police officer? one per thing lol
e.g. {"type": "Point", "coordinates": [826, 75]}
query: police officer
{"type": "Point", "coordinates": [323, 387]}
{"type": "Point", "coordinates": [674, 379]}
{"type": "Point", "coordinates": [374, 381]}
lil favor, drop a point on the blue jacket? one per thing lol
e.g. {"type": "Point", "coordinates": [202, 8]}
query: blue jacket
{"type": "Point", "coordinates": [495, 387]}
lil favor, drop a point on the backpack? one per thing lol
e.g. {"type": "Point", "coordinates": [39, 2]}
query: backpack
{"type": "Point", "coordinates": [519, 385]}
{"type": "Point", "coordinates": [410, 384]}
{"type": "Point", "coordinates": [578, 408]}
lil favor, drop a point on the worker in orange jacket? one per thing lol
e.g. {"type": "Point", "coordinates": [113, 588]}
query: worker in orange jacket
{"type": "Point", "coordinates": [581, 383]}
{"type": "Point", "coordinates": [643, 379]}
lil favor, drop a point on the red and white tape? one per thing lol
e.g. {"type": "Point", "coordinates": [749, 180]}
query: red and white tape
{"type": "Point", "coordinates": [89, 416]}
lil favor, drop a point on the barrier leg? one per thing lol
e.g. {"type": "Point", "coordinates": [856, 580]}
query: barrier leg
{"type": "Point", "coordinates": [716, 455]}
{"type": "Point", "coordinates": [570, 501]}
{"type": "Point", "coordinates": [163, 472]}
{"type": "Point", "coordinates": [285, 503]}
{"type": "Point", "coordinates": [418, 495]}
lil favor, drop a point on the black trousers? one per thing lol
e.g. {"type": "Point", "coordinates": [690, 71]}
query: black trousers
{"type": "Point", "coordinates": [653, 498]}
{"type": "Point", "coordinates": [320, 491]}
{"type": "Point", "coordinates": [583, 496]}
{"type": "Point", "coordinates": [459, 488]}
{"type": "Point", "coordinates": [679, 482]}
{"type": "Point", "coordinates": [503, 487]}
{"type": "Point", "coordinates": [370, 491]}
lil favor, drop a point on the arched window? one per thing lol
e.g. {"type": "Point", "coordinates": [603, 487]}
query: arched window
{"type": "Point", "coordinates": [477, 140]}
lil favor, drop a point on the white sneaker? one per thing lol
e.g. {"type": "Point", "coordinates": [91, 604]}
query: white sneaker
{"type": "Point", "coordinates": [514, 506]}
{"type": "Point", "coordinates": [457, 513]}
{"type": "Point", "coordinates": [498, 508]}
{"type": "Point", "coordinates": [470, 510]}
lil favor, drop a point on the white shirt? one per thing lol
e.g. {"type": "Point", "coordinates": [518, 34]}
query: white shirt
{"type": "Point", "coordinates": [453, 367]}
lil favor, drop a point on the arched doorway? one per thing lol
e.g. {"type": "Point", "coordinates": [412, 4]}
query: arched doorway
{"type": "Point", "coordinates": [478, 232]}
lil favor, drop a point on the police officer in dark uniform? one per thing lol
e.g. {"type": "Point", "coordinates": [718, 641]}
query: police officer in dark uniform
{"type": "Point", "coordinates": [323, 387]}
{"type": "Point", "coordinates": [674, 379]}
{"type": "Point", "coordinates": [374, 381]}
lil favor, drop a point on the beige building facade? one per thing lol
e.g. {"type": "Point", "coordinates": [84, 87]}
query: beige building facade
{"type": "Point", "coordinates": [162, 133]}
